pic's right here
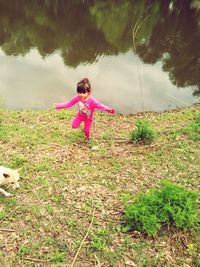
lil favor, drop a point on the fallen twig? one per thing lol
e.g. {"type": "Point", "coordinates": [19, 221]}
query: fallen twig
{"type": "Point", "coordinates": [6, 230]}
{"type": "Point", "coordinates": [35, 260]}
{"type": "Point", "coordinates": [82, 242]}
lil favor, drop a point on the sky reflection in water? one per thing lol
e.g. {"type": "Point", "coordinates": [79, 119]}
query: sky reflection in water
{"type": "Point", "coordinates": [31, 82]}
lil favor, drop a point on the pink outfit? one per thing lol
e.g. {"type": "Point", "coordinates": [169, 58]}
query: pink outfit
{"type": "Point", "coordinates": [85, 113]}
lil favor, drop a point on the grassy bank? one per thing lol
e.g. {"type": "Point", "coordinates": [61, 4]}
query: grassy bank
{"type": "Point", "coordinates": [70, 205]}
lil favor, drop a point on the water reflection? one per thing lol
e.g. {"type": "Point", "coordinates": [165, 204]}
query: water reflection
{"type": "Point", "coordinates": [47, 46]}
{"type": "Point", "coordinates": [31, 82]}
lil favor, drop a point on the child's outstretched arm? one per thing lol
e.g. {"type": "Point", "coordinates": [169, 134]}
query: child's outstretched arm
{"type": "Point", "coordinates": [68, 104]}
{"type": "Point", "coordinates": [103, 107]}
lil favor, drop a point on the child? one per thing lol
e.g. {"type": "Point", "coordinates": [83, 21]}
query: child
{"type": "Point", "coordinates": [86, 106]}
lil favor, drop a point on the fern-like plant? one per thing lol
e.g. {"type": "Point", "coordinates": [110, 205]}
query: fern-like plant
{"type": "Point", "coordinates": [143, 132]}
{"type": "Point", "coordinates": [171, 205]}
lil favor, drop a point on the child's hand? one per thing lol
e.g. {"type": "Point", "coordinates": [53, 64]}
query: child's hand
{"type": "Point", "coordinates": [112, 111]}
{"type": "Point", "coordinates": [54, 105]}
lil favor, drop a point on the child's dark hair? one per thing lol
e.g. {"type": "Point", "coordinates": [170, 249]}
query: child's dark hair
{"type": "Point", "coordinates": [84, 86]}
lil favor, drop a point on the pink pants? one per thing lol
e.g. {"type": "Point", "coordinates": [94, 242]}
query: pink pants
{"type": "Point", "coordinates": [87, 124]}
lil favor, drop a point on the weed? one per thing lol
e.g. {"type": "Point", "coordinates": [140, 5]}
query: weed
{"type": "Point", "coordinates": [171, 205]}
{"type": "Point", "coordinates": [197, 117]}
{"type": "Point", "coordinates": [150, 262]}
{"type": "Point", "coordinates": [197, 263]}
{"type": "Point", "coordinates": [108, 134]}
{"type": "Point", "coordinates": [23, 250]}
{"type": "Point", "coordinates": [50, 241]}
{"type": "Point", "coordinates": [9, 202]}
{"type": "Point", "coordinates": [18, 161]}
{"type": "Point", "coordinates": [58, 264]}
{"type": "Point", "coordinates": [3, 132]}
{"type": "Point", "coordinates": [99, 239]}
{"type": "Point", "coordinates": [72, 223]}
{"type": "Point", "coordinates": [143, 133]}
{"type": "Point", "coordinates": [3, 214]}
{"type": "Point", "coordinates": [50, 209]}
{"type": "Point", "coordinates": [43, 165]}
{"type": "Point", "coordinates": [191, 249]}
{"type": "Point", "coordinates": [125, 198]}
{"type": "Point", "coordinates": [57, 199]}
{"type": "Point", "coordinates": [58, 256]}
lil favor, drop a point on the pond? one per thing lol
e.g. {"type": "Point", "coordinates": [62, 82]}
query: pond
{"type": "Point", "coordinates": [138, 55]}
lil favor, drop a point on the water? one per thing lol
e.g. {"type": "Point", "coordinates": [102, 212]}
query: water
{"type": "Point", "coordinates": [47, 48]}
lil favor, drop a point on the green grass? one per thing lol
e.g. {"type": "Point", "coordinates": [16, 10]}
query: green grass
{"type": "Point", "coordinates": [63, 181]}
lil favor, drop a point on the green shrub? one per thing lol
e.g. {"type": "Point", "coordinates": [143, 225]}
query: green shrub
{"type": "Point", "coordinates": [171, 205]}
{"type": "Point", "coordinates": [143, 132]}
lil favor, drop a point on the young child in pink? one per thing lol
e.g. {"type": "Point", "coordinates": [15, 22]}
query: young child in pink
{"type": "Point", "coordinates": [86, 106]}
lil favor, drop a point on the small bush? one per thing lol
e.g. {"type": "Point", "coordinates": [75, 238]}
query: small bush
{"type": "Point", "coordinates": [143, 133]}
{"type": "Point", "coordinates": [171, 205]}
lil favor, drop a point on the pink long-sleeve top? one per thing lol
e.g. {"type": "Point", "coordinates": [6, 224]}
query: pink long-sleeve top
{"type": "Point", "coordinates": [86, 107]}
